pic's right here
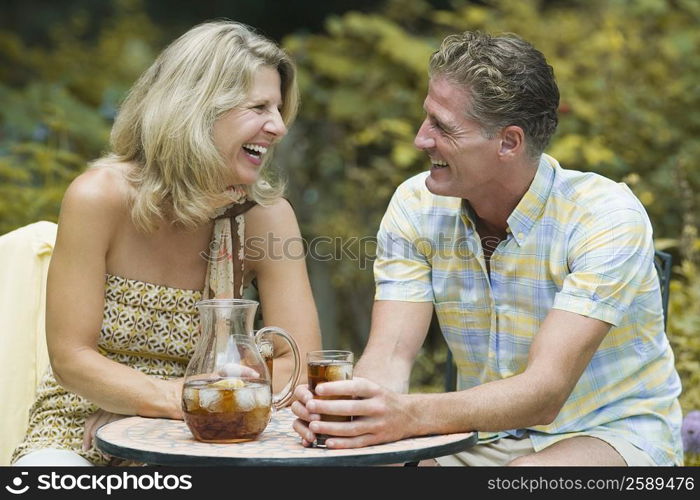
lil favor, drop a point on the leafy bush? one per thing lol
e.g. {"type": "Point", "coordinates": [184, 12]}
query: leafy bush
{"type": "Point", "coordinates": [57, 105]}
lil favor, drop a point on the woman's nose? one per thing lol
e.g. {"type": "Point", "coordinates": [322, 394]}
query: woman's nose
{"type": "Point", "coordinates": [275, 125]}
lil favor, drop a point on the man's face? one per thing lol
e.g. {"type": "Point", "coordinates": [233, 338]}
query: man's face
{"type": "Point", "coordinates": [463, 160]}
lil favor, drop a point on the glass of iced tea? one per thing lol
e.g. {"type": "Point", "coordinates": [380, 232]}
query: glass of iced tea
{"type": "Point", "coordinates": [328, 366]}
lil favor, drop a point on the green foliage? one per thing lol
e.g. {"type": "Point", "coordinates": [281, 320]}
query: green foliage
{"type": "Point", "coordinates": [56, 107]}
{"type": "Point", "coordinates": [683, 332]}
{"type": "Point", "coordinates": [362, 87]}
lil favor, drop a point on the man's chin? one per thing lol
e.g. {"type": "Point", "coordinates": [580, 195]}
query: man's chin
{"type": "Point", "coordinates": [436, 187]}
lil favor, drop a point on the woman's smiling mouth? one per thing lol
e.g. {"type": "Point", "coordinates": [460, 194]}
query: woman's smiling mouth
{"type": "Point", "coordinates": [255, 152]}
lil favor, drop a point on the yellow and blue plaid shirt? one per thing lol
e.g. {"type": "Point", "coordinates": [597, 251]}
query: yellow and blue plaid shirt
{"type": "Point", "coordinates": [577, 242]}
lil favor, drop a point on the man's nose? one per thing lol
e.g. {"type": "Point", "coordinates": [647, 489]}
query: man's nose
{"type": "Point", "coordinates": [423, 139]}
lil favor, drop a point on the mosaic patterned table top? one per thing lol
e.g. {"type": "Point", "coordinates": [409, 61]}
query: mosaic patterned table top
{"type": "Point", "coordinates": [170, 442]}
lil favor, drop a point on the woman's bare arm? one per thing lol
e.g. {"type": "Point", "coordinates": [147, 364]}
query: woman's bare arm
{"type": "Point", "coordinates": [277, 260]}
{"type": "Point", "coordinates": [92, 210]}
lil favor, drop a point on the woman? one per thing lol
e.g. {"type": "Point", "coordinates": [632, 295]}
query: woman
{"type": "Point", "coordinates": [138, 238]}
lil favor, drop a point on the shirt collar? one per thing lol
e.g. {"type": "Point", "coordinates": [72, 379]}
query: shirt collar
{"type": "Point", "coordinates": [531, 206]}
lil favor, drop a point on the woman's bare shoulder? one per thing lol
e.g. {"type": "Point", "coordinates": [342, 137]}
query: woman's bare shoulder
{"type": "Point", "coordinates": [278, 219]}
{"type": "Point", "coordinates": [97, 200]}
{"type": "Point", "coordinates": [102, 188]}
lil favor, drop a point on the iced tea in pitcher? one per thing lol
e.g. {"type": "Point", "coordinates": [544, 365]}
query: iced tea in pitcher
{"type": "Point", "coordinates": [226, 410]}
{"type": "Point", "coordinates": [227, 395]}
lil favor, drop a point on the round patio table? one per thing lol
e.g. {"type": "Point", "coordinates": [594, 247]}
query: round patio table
{"type": "Point", "coordinates": [169, 442]}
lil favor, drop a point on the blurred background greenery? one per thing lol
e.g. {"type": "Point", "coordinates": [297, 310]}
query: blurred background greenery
{"type": "Point", "coordinates": [628, 71]}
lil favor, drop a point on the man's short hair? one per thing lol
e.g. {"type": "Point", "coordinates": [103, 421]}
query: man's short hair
{"type": "Point", "coordinates": [509, 82]}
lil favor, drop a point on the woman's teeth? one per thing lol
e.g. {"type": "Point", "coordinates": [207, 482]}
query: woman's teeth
{"type": "Point", "coordinates": [255, 149]}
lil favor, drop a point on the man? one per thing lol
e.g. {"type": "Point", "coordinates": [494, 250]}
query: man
{"type": "Point", "coordinates": [542, 280]}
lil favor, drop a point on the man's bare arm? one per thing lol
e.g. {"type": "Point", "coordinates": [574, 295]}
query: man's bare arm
{"type": "Point", "coordinates": [396, 336]}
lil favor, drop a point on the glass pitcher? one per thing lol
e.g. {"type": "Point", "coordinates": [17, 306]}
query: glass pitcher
{"type": "Point", "coordinates": [227, 393]}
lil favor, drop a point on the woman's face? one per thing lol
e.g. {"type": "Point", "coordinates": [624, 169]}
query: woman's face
{"type": "Point", "coordinates": [244, 134]}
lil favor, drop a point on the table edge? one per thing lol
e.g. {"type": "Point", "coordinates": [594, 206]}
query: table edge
{"type": "Point", "coordinates": [388, 457]}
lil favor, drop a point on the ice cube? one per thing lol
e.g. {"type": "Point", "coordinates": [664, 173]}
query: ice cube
{"type": "Point", "coordinates": [263, 397]}
{"type": "Point", "coordinates": [266, 349]}
{"type": "Point", "coordinates": [229, 383]}
{"type": "Point", "coordinates": [340, 371]}
{"type": "Point", "coordinates": [245, 398]}
{"type": "Point", "coordinates": [211, 400]}
{"type": "Point", "coordinates": [191, 399]}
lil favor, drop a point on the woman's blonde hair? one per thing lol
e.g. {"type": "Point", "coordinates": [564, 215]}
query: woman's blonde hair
{"type": "Point", "coordinates": [164, 126]}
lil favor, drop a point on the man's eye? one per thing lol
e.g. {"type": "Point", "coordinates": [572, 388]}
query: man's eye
{"type": "Point", "coordinates": [437, 126]}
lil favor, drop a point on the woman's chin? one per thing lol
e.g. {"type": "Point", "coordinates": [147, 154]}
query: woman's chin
{"type": "Point", "coordinates": [244, 178]}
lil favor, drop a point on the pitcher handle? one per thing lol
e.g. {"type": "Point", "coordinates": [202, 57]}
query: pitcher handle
{"type": "Point", "coordinates": [280, 399]}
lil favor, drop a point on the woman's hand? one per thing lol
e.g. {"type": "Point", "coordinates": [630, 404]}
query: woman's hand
{"type": "Point", "coordinates": [172, 394]}
{"type": "Point", "coordinates": [94, 422]}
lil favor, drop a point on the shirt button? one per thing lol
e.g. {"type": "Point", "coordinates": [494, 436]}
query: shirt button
{"type": "Point", "coordinates": [521, 236]}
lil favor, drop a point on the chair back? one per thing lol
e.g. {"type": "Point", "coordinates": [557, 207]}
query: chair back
{"type": "Point", "coordinates": [24, 262]}
{"type": "Point", "coordinates": [662, 263]}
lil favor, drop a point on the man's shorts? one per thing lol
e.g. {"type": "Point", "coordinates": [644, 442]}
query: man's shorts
{"type": "Point", "coordinates": [502, 451]}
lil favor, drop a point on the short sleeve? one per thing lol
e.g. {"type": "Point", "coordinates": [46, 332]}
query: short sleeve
{"type": "Point", "coordinates": [401, 270]}
{"type": "Point", "coordinates": [610, 256]}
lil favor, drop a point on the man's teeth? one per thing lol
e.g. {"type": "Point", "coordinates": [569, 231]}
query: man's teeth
{"type": "Point", "coordinates": [439, 163]}
{"type": "Point", "coordinates": [256, 149]}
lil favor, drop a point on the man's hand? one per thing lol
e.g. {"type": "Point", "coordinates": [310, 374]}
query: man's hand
{"type": "Point", "coordinates": [379, 415]}
{"type": "Point", "coordinates": [303, 395]}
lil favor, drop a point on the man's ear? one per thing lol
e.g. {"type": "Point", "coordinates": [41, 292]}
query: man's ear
{"type": "Point", "coordinates": [512, 141]}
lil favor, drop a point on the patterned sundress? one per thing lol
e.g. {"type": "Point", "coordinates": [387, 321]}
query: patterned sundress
{"type": "Point", "coordinates": [151, 328]}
